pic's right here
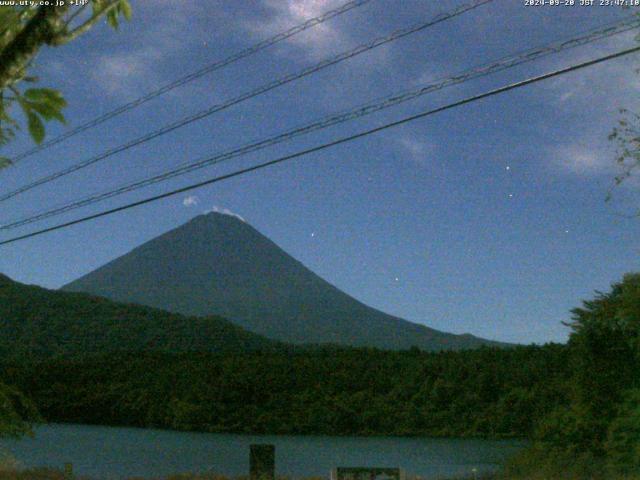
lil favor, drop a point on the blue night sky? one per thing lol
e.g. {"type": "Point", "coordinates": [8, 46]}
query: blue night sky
{"type": "Point", "coordinates": [489, 218]}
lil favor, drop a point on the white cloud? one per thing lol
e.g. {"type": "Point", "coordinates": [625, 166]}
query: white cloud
{"type": "Point", "coordinates": [592, 97]}
{"type": "Point", "coordinates": [224, 211]}
{"type": "Point", "coordinates": [417, 150]}
{"type": "Point", "coordinates": [134, 67]}
{"type": "Point", "coordinates": [123, 73]}
{"type": "Point", "coordinates": [190, 201]}
{"type": "Point", "coordinates": [287, 13]}
{"type": "Point", "coordinates": [618, 77]}
{"type": "Point", "coordinates": [587, 160]}
{"type": "Point", "coordinates": [427, 77]}
{"type": "Point", "coordinates": [583, 160]}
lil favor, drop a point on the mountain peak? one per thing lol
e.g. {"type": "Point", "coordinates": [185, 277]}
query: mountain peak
{"type": "Point", "coordinates": [217, 212]}
{"type": "Point", "coordinates": [218, 264]}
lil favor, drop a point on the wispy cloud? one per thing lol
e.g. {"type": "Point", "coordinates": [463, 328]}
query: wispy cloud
{"type": "Point", "coordinates": [190, 201]}
{"type": "Point", "coordinates": [581, 159]}
{"type": "Point", "coordinates": [618, 74]}
{"type": "Point", "coordinates": [417, 150]}
{"type": "Point", "coordinates": [590, 159]}
{"type": "Point", "coordinates": [122, 73]}
{"type": "Point", "coordinates": [316, 41]}
{"type": "Point", "coordinates": [133, 68]}
{"type": "Point", "coordinates": [593, 96]}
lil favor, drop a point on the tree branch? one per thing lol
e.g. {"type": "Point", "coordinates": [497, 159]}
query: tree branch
{"type": "Point", "coordinates": [61, 38]}
{"type": "Point", "coordinates": [14, 24]}
{"type": "Point", "coordinates": [41, 29]}
{"type": "Point", "coordinates": [78, 11]}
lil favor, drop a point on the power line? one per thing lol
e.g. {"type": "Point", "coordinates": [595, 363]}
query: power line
{"type": "Point", "coordinates": [312, 22]}
{"type": "Point", "coordinates": [361, 111]}
{"type": "Point", "coordinates": [377, 42]}
{"type": "Point", "coordinates": [324, 146]}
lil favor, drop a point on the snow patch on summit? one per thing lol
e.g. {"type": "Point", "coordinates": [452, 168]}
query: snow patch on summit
{"type": "Point", "coordinates": [224, 211]}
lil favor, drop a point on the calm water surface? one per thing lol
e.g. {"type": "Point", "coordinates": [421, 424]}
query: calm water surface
{"type": "Point", "coordinates": [115, 453]}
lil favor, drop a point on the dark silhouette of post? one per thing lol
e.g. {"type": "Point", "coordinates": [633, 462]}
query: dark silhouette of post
{"type": "Point", "coordinates": [262, 462]}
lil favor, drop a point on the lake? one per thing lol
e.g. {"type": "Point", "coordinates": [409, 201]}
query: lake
{"type": "Point", "coordinates": [115, 453]}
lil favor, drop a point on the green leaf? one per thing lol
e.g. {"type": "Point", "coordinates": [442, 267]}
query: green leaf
{"type": "Point", "coordinates": [48, 112]}
{"type": "Point", "coordinates": [36, 128]}
{"type": "Point", "coordinates": [8, 16]}
{"type": "Point", "coordinates": [125, 8]}
{"type": "Point", "coordinates": [4, 162]}
{"type": "Point", "coordinates": [37, 94]}
{"type": "Point", "coordinates": [46, 101]}
{"type": "Point", "coordinates": [112, 18]}
{"type": "Point", "coordinates": [46, 95]}
{"type": "Point", "coordinates": [97, 6]}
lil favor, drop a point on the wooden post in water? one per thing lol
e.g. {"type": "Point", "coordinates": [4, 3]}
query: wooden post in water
{"type": "Point", "coordinates": [262, 462]}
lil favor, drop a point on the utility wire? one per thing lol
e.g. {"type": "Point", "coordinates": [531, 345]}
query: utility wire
{"type": "Point", "coordinates": [324, 146]}
{"type": "Point", "coordinates": [312, 22]}
{"type": "Point", "coordinates": [377, 42]}
{"type": "Point", "coordinates": [361, 111]}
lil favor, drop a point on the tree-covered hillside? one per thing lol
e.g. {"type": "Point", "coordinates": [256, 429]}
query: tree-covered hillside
{"type": "Point", "coordinates": [37, 323]}
{"type": "Point", "coordinates": [486, 392]}
{"type": "Point", "coordinates": [597, 434]}
{"type": "Point", "coordinates": [579, 403]}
